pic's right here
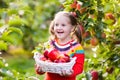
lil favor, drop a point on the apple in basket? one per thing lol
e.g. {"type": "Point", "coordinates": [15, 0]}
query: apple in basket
{"type": "Point", "coordinates": [46, 52]}
{"type": "Point", "coordinates": [43, 58]}
{"type": "Point", "coordinates": [53, 54]}
{"type": "Point", "coordinates": [63, 58]}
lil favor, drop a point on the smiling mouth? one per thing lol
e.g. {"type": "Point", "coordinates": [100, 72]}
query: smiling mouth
{"type": "Point", "coordinates": [60, 32]}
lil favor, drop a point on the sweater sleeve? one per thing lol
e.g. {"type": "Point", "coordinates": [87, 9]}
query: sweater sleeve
{"type": "Point", "coordinates": [78, 67]}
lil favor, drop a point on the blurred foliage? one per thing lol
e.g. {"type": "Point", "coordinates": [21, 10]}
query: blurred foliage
{"type": "Point", "coordinates": [31, 17]}
{"type": "Point", "coordinates": [23, 24]}
{"type": "Point", "coordinates": [15, 69]}
{"type": "Point", "coordinates": [100, 26]}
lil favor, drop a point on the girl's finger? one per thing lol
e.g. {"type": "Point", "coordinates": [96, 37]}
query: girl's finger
{"type": "Point", "coordinates": [62, 73]}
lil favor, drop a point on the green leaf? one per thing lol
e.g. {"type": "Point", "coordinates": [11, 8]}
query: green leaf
{"type": "Point", "coordinates": [109, 21]}
{"type": "Point", "coordinates": [7, 39]}
{"type": "Point", "coordinates": [16, 21]}
{"type": "Point", "coordinates": [1, 62]}
{"type": "Point", "coordinates": [12, 11]}
{"type": "Point", "coordinates": [6, 35]}
{"type": "Point", "coordinates": [3, 45]}
{"type": "Point", "coordinates": [17, 30]}
{"type": "Point", "coordinates": [108, 7]}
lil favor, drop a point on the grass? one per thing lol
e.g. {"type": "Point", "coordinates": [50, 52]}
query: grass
{"type": "Point", "coordinates": [24, 65]}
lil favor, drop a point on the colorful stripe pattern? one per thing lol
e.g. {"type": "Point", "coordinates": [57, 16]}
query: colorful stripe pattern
{"type": "Point", "coordinates": [70, 48]}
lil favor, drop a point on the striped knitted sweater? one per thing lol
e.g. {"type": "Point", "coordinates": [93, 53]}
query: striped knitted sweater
{"type": "Point", "coordinates": [73, 49]}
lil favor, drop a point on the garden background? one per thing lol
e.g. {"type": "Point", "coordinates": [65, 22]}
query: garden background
{"type": "Point", "coordinates": [24, 24]}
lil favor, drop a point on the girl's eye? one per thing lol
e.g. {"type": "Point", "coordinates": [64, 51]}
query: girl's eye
{"type": "Point", "coordinates": [63, 24]}
{"type": "Point", "coordinates": [56, 24]}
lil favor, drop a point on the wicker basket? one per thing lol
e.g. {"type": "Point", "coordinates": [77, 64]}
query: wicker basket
{"type": "Point", "coordinates": [54, 67]}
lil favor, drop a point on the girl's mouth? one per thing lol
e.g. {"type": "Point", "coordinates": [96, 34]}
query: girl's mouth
{"type": "Point", "coordinates": [60, 32]}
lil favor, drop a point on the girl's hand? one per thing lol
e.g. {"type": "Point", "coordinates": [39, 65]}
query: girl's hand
{"type": "Point", "coordinates": [66, 73]}
{"type": "Point", "coordinates": [38, 69]}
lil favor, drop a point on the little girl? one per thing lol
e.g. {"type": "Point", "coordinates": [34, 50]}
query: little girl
{"type": "Point", "coordinates": [66, 38]}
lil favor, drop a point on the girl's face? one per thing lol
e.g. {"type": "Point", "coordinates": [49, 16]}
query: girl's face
{"type": "Point", "coordinates": [62, 27]}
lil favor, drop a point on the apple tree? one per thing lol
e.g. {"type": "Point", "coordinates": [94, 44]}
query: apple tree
{"type": "Point", "coordinates": [99, 23]}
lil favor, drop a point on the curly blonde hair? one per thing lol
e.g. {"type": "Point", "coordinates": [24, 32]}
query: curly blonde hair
{"type": "Point", "coordinates": [73, 22]}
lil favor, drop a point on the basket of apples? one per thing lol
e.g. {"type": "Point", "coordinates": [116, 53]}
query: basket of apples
{"type": "Point", "coordinates": [54, 62]}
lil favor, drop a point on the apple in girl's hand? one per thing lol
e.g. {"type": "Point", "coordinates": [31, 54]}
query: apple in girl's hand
{"type": "Point", "coordinates": [53, 54]}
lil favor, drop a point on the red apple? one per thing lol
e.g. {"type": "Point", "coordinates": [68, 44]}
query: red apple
{"type": "Point", "coordinates": [86, 34]}
{"type": "Point", "coordinates": [94, 41]}
{"type": "Point", "coordinates": [110, 70]}
{"type": "Point", "coordinates": [63, 58]}
{"type": "Point", "coordinates": [111, 17]}
{"type": "Point", "coordinates": [53, 54]}
{"type": "Point", "coordinates": [56, 61]}
{"type": "Point", "coordinates": [46, 52]}
{"type": "Point", "coordinates": [66, 58]}
{"type": "Point", "coordinates": [43, 58]}
{"type": "Point", "coordinates": [73, 5]}
{"type": "Point", "coordinates": [78, 6]}
{"type": "Point", "coordinates": [94, 75]}
{"type": "Point", "coordinates": [103, 35]}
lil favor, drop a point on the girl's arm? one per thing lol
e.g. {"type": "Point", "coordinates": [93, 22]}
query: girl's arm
{"type": "Point", "coordinates": [78, 67]}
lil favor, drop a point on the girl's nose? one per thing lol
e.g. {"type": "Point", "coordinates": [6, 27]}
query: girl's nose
{"type": "Point", "coordinates": [59, 27]}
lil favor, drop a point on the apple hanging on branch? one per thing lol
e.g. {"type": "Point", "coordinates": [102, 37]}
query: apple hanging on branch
{"type": "Point", "coordinates": [94, 75]}
{"type": "Point", "coordinates": [110, 16]}
{"type": "Point", "coordinates": [73, 5]}
{"type": "Point", "coordinates": [110, 70]}
{"type": "Point", "coordinates": [103, 35]}
{"type": "Point", "coordinates": [94, 41]}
